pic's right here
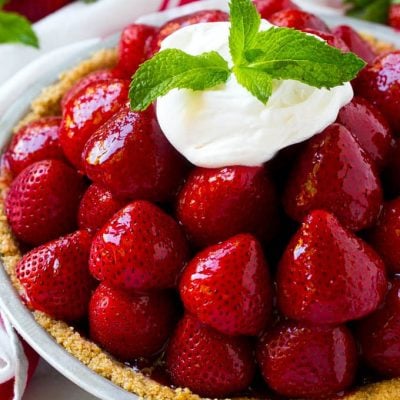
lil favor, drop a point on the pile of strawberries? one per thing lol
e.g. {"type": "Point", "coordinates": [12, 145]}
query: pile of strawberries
{"type": "Point", "coordinates": [222, 271]}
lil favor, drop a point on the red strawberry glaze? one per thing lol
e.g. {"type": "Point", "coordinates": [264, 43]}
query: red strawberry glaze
{"type": "Point", "coordinates": [394, 16]}
{"type": "Point", "coordinates": [140, 247]}
{"type": "Point", "coordinates": [43, 201]}
{"type": "Point", "coordinates": [366, 123]}
{"type": "Point", "coordinates": [355, 42]}
{"type": "Point", "coordinates": [379, 83]}
{"type": "Point", "coordinates": [131, 325]}
{"type": "Point", "coordinates": [36, 141]}
{"type": "Point", "coordinates": [88, 110]}
{"type": "Point", "coordinates": [379, 335]}
{"type": "Point", "coordinates": [228, 287]}
{"type": "Point", "coordinates": [215, 204]}
{"type": "Point", "coordinates": [56, 277]}
{"type": "Point", "coordinates": [94, 77]}
{"type": "Point", "coordinates": [266, 8]}
{"type": "Point", "coordinates": [385, 237]}
{"type": "Point", "coordinates": [97, 206]}
{"type": "Point", "coordinates": [335, 174]}
{"type": "Point", "coordinates": [298, 19]}
{"type": "Point", "coordinates": [327, 275]}
{"type": "Point", "coordinates": [130, 156]}
{"type": "Point", "coordinates": [298, 360]}
{"type": "Point", "coordinates": [180, 22]}
{"type": "Point", "coordinates": [132, 47]}
{"type": "Point", "coordinates": [208, 362]}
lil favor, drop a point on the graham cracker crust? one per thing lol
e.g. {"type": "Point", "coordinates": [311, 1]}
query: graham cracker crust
{"type": "Point", "coordinates": [91, 355]}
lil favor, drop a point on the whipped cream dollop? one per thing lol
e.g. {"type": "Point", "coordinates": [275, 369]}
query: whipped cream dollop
{"type": "Point", "coordinates": [227, 125]}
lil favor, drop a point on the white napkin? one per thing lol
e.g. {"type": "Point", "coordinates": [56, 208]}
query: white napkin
{"type": "Point", "coordinates": [13, 362]}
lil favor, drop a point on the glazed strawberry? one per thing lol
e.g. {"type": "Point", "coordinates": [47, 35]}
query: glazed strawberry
{"type": "Point", "coordinates": [228, 287]}
{"type": "Point", "coordinates": [298, 19]}
{"type": "Point", "coordinates": [89, 109]}
{"type": "Point", "coordinates": [97, 206]}
{"type": "Point", "coordinates": [366, 123]}
{"type": "Point", "coordinates": [56, 278]}
{"type": "Point", "coordinates": [355, 42]}
{"type": "Point", "coordinates": [34, 10]}
{"type": "Point", "coordinates": [94, 77]}
{"type": "Point", "coordinates": [268, 7]}
{"type": "Point", "coordinates": [131, 325]}
{"type": "Point", "coordinates": [380, 84]}
{"type": "Point", "coordinates": [132, 47]}
{"type": "Point", "coordinates": [394, 16]}
{"type": "Point", "coordinates": [331, 39]}
{"type": "Point", "coordinates": [216, 204]}
{"type": "Point", "coordinates": [140, 247]}
{"type": "Point", "coordinates": [36, 141]}
{"type": "Point", "coordinates": [43, 201]}
{"type": "Point", "coordinates": [385, 237]}
{"type": "Point", "coordinates": [208, 362]}
{"type": "Point", "coordinates": [333, 173]}
{"type": "Point", "coordinates": [130, 156]}
{"type": "Point", "coordinates": [180, 22]}
{"type": "Point", "coordinates": [327, 275]}
{"type": "Point", "coordinates": [298, 360]}
{"type": "Point", "coordinates": [379, 335]}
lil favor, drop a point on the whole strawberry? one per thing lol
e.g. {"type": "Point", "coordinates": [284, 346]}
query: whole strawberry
{"type": "Point", "coordinates": [379, 335]}
{"type": "Point", "coordinates": [366, 123]}
{"type": "Point", "coordinates": [327, 275]}
{"type": "Point", "coordinates": [215, 204]}
{"type": "Point", "coordinates": [355, 42]}
{"type": "Point", "coordinates": [228, 287]}
{"type": "Point", "coordinates": [333, 173]}
{"type": "Point", "coordinates": [43, 201]}
{"type": "Point", "coordinates": [36, 141]}
{"type": "Point", "coordinates": [379, 83]}
{"type": "Point", "coordinates": [93, 77]}
{"type": "Point", "coordinates": [131, 325]}
{"type": "Point", "coordinates": [88, 110]}
{"type": "Point", "coordinates": [298, 19]}
{"type": "Point", "coordinates": [208, 362]}
{"type": "Point", "coordinates": [266, 8]}
{"type": "Point", "coordinates": [35, 10]}
{"type": "Point", "coordinates": [174, 24]}
{"type": "Point", "coordinates": [299, 360]}
{"type": "Point", "coordinates": [140, 247]}
{"type": "Point", "coordinates": [56, 277]}
{"type": "Point", "coordinates": [385, 236]}
{"type": "Point", "coordinates": [132, 47]}
{"type": "Point", "coordinates": [98, 205]}
{"type": "Point", "coordinates": [130, 156]}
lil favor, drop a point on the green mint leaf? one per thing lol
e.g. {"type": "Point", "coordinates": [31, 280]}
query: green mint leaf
{"type": "Point", "coordinates": [15, 28]}
{"type": "Point", "coordinates": [175, 69]}
{"type": "Point", "coordinates": [245, 23]}
{"type": "Point", "coordinates": [256, 82]}
{"type": "Point", "coordinates": [369, 10]}
{"type": "Point", "coordinates": [3, 2]}
{"type": "Point", "coordinates": [285, 53]}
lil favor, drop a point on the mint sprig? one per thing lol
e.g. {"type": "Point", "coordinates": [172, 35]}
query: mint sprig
{"type": "Point", "coordinates": [258, 59]}
{"type": "Point", "coordinates": [15, 28]}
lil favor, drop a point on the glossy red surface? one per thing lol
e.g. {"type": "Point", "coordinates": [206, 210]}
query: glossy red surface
{"type": "Point", "coordinates": [131, 325]}
{"type": "Point", "coordinates": [327, 275]}
{"type": "Point", "coordinates": [298, 19]}
{"type": "Point", "coordinates": [379, 335]}
{"type": "Point", "coordinates": [268, 7]}
{"type": "Point", "coordinates": [215, 204]}
{"type": "Point", "coordinates": [140, 248]}
{"type": "Point", "coordinates": [228, 287]}
{"type": "Point", "coordinates": [130, 156]}
{"type": "Point", "coordinates": [208, 362]}
{"type": "Point", "coordinates": [333, 173]}
{"type": "Point", "coordinates": [394, 16]}
{"type": "Point", "coordinates": [87, 111]}
{"type": "Point", "coordinates": [298, 360]}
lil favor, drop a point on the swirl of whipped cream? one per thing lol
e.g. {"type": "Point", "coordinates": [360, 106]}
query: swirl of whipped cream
{"type": "Point", "coordinates": [13, 362]}
{"type": "Point", "coordinates": [227, 125]}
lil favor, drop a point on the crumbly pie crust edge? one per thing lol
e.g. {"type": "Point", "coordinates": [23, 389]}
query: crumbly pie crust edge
{"type": "Point", "coordinates": [48, 104]}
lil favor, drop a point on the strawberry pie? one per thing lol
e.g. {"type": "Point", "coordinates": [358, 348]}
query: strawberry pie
{"type": "Point", "coordinates": [213, 210]}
